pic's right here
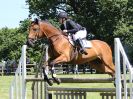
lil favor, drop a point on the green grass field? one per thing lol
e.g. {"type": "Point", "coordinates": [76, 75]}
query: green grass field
{"type": "Point", "coordinates": [5, 82]}
{"type": "Point", "coordinates": [4, 86]}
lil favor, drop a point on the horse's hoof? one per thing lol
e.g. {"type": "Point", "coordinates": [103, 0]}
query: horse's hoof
{"type": "Point", "coordinates": [57, 80]}
{"type": "Point", "coordinates": [50, 82]}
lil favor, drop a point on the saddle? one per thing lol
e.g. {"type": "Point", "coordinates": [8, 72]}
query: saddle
{"type": "Point", "coordinates": [86, 43]}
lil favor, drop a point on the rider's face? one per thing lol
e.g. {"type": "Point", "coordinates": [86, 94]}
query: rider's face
{"type": "Point", "coordinates": [61, 20]}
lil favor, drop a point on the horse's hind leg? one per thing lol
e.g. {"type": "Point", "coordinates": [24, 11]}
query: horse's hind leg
{"type": "Point", "coordinates": [108, 67]}
{"type": "Point", "coordinates": [108, 62]}
{"type": "Point", "coordinates": [100, 67]}
{"type": "Point", "coordinates": [105, 55]}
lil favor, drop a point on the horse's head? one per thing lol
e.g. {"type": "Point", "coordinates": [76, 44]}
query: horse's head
{"type": "Point", "coordinates": [42, 29]}
{"type": "Point", "coordinates": [34, 33]}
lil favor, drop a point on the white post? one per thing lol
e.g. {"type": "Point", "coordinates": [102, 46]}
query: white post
{"type": "Point", "coordinates": [20, 78]}
{"type": "Point", "coordinates": [18, 85]}
{"type": "Point", "coordinates": [131, 84]}
{"type": "Point", "coordinates": [11, 92]}
{"type": "Point", "coordinates": [15, 86]}
{"type": "Point", "coordinates": [125, 81]}
{"type": "Point", "coordinates": [118, 71]}
{"type": "Point", "coordinates": [24, 72]}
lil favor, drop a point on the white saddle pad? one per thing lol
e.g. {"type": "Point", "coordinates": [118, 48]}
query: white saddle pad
{"type": "Point", "coordinates": [86, 43]}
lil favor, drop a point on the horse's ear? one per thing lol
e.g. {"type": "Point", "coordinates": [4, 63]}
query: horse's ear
{"type": "Point", "coordinates": [36, 20]}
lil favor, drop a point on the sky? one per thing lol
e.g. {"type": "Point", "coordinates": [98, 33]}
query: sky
{"type": "Point", "coordinates": [12, 12]}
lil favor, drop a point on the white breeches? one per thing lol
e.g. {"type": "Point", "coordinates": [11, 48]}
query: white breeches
{"type": "Point", "coordinates": [80, 34]}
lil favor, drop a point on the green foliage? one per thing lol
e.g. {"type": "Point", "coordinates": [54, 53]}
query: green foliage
{"type": "Point", "coordinates": [102, 18]}
{"type": "Point", "coordinates": [105, 19]}
{"type": "Point", "coordinates": [11, 42]}
{"type": "Point", "coordinates": [54, 22]}
{"type": "Point", "coordinates": [46, 8]}
{"type": "Point", "coordinates": [24, 26]}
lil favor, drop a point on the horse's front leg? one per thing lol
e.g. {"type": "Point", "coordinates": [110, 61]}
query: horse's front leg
{"type": "Point", "coordinates": [59, 59]}
{"type": "Point", "coordinates": [57, 80]}
{"type": "Point", "coordinates": [45, 73]}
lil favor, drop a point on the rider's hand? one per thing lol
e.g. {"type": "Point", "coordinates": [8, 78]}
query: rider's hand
{"type": "Point", "coordinates": [65, 31]}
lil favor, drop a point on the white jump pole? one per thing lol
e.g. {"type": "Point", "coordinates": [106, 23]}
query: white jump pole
{"type": "Point", "coordinates": [24, 72]}
{"type": "Point", "coordinates": [118, 71]}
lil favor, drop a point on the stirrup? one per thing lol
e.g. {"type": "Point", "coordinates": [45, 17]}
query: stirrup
{"type": "Point", "coordinates": [82, 51]}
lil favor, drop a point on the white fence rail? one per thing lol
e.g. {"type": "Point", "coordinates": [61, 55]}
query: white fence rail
{"type": "Point", "coordinates": [18, 85]}
{"type": "Point", "coordinates": [127, 72]}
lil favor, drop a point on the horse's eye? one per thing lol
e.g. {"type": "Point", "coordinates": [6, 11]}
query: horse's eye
{"type": "Point", "coordinates": [35, 30]}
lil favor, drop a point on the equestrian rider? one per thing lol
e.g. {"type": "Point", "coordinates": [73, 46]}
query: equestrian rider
{"type": "Point", "coordinates": [74, 29]}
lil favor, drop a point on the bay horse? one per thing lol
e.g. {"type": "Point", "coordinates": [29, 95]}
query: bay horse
{"type": "Point", "coordinates": [99, 56]}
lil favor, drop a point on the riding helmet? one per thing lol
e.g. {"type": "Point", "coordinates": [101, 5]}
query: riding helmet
{"type": "Point", "coordinates": [62, 15]}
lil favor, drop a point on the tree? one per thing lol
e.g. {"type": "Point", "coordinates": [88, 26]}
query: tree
{"type": "Point", "coordinates": [10, 43]}
{"type": "Point", "coordinates": [102, 18]}
{"type": "Point", "coordinates": [12, 40]}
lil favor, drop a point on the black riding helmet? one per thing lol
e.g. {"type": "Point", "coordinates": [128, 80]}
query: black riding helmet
{"type": "Point", "coordinates": [62, 15]}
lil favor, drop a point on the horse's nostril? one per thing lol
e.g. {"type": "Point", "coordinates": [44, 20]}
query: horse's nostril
{"type": "Point", "coordinates": [30, 42]}
{"type": "Point", "coordinates": [27, 43]}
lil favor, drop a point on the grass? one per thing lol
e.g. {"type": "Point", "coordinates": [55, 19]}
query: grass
{"type": "Point", "coordinates": [5, 82]}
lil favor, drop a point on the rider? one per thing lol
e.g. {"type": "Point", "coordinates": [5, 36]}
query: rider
{"type": "Point", "coordinates": [74, 29]}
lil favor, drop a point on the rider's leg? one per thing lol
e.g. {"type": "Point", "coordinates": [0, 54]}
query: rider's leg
{"type": "Point", "coordinates": [77, 37]}
{"type": "Point", "coordinates": [80, 44]}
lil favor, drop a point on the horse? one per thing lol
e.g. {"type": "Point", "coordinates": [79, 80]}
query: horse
{"type": "Point", "coordinates": [61, 50]}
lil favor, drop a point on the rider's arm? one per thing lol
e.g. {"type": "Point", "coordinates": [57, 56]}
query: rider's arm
{"type": "Point", "coordinates": [62, 27]}
{"type": "Point", "coordinates": [74, 26]}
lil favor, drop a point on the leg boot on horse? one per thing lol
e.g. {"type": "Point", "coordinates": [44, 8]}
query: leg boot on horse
{"type": "Point", "coordinates": [45, 73]}
{"type": "Point", "coordinates": [57, 80]}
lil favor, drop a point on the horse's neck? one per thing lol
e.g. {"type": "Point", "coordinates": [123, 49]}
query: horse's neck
{"type": "Point", "coordinates": [54, 34]}
{"type": "Point", "coordinates": [51, 31]}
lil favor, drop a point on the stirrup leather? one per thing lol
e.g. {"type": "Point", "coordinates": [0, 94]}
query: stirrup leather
{"type": "Point", "coordinates": [82, 51]}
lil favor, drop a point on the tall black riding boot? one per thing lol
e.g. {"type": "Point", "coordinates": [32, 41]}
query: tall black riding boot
{"type": "Point", "coordinates": [80, 44]}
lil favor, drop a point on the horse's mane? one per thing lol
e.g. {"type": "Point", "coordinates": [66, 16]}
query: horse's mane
{"type": "Point", "coordinates": [46, 21]}
{"type": "Point", "coordinates": [49, 24]}
{"type": "Point", "coordinates": [43, 21]}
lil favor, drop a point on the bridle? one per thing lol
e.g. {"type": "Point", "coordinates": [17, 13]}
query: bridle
{"type": "Point", "coordinates": [38, 30]}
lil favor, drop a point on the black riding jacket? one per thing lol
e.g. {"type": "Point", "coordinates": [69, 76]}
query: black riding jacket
{"type": "Point", "coordinates": [71, 26]}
